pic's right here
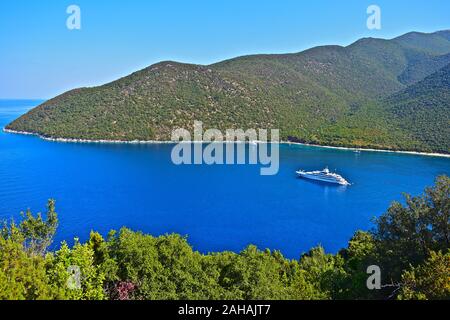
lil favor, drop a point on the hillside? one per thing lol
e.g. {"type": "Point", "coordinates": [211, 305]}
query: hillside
{"type": "Point", "coordinates": [329, 95]}
{"type": "Point", "coordinates": [424, 109]}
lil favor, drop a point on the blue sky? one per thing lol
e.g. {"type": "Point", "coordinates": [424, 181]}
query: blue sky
{"type": "Point", "coordinates": [40, 57]}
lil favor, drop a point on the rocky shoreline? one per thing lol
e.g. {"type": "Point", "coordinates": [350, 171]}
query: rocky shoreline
{"type": "Point", "coordinates": [68, 140]}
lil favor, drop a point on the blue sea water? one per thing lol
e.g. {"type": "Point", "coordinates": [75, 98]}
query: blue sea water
{"type": "Point", "coordinates": [220, 207]}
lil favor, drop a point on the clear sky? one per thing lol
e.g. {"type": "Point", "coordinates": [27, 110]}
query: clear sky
{"type": "Point", "coordinates": [40, 57]}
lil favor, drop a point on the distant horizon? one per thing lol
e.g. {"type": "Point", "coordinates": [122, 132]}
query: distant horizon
{"type": "Point", "coordinates": [230, 58]}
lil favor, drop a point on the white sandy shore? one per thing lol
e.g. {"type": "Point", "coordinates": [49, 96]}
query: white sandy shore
{"type": "Point", "coordinates": [86, 140]}
{"type": "Point", "coordinates": [171, 142]}
{"type": "Point", "coordinates": [430, 154]}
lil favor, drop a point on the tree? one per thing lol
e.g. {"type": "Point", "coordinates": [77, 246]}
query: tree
{"type": "Point", "coordinates": [74, 275]}
{"type": "Point", "coordinates": [325, 271]}
{"type": "Point", "coordinates": [38, 233]}
{"type": "Point", "coordinates": [360, 253]}
{"type": "Point", "coordinates": [28, 271]}
{"type": "Point", "coordinates": [406, 234]}
{"type": "Point", "coordinates": [23, 273]}
{"type": "Point", "coordinates": [255, 274]}
{"type": "Point", "coordinates": [430, 280]}
{"type": "Point", "coordinates": [22, 276]}
{"type": "Point", "coordinates": [438, 202]}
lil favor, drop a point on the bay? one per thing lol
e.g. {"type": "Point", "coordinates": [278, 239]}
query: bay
{"type": "Point", "coordinates": [219, 207]}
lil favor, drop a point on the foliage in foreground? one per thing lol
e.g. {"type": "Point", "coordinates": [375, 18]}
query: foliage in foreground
{"type": "Point", "coordinates": [410, 244]}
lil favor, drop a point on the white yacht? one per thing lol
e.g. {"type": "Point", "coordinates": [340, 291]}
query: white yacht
{"type": "Point", "coordinates": [324, 175]}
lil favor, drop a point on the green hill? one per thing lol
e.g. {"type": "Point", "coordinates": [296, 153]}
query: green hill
{"type": "Point", "coordinates": [328, 95]}
{"type": "Point", "coordinates": [424, 110]}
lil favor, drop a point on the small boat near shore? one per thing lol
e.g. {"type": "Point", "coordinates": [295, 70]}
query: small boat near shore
{"type": "Point", "coordinates": [325, 175]}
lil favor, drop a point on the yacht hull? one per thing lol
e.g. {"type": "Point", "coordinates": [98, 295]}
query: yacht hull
{"type": "Point", "coordinates": [340, 181]}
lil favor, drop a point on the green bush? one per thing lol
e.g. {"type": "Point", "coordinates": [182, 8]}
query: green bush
{"type": "Point", "coordinates": [410, 244]}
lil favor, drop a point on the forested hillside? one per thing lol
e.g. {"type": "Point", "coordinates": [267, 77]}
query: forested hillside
{"type": "Point", "coordinates": [424, 110]}
{"type": "Point", "coordinates": [328, 95]}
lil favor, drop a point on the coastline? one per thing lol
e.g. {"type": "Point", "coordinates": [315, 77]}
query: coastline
{"type": "Point", "coordinates": [429, 154]}
{"type": "Point", "coordinates": [102, 141]}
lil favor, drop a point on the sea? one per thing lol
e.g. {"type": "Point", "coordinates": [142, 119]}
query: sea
{"type": "Point", "coordinates": [101, 187]}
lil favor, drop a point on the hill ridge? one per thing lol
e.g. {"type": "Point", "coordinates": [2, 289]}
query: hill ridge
{"type": "Point", "coordinates": [330, 95]}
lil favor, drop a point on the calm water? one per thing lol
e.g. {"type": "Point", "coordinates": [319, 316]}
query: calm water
{"type": "Point", "coordinates": [103, 187]}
